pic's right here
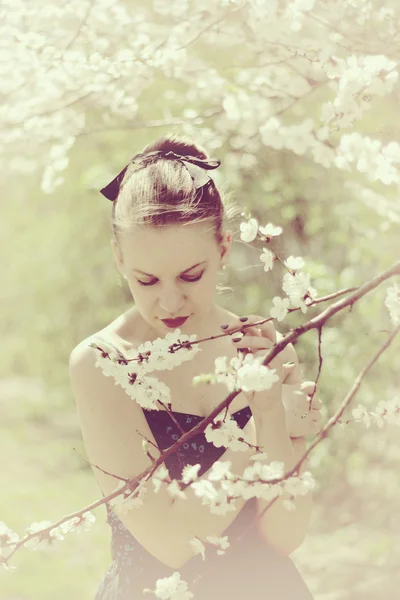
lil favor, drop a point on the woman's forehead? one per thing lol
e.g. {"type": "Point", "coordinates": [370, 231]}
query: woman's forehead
{"type": "Point", "coordinates": [162, 248]}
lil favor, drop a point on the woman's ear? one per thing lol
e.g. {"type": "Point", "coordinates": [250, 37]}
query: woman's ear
{"type": "Point", "coordinates": [226, 245]}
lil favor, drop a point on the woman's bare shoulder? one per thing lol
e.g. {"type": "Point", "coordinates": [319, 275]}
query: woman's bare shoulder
{"type": "Point", "coordinates": [122, 335]}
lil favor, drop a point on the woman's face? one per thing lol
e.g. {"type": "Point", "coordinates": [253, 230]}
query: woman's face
{"type": "Point", "coordinates": [172, 272]}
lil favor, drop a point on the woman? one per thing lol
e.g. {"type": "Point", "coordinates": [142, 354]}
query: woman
{"type": "Point", "coordinates": [169, 243]}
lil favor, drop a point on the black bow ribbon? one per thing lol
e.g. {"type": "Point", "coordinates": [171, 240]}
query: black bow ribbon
{"type": "Point", "coordinates": [197, 168]}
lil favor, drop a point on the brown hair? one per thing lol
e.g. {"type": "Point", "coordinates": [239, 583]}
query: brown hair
{"type": "Point", "coordinates": [162, 192]}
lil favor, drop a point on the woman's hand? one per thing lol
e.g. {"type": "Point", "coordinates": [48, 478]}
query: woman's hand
{"type": "Point", "coordinates": [302, 418]}
{"type": "Point", "coordinates": [258, 340]}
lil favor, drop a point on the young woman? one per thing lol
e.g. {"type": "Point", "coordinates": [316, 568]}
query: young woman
{"type": "Point", "coordinates": [169, 242]}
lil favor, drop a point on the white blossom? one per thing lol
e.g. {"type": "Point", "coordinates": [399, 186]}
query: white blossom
{"type": "Point", "coordinates": [225, 373]}
{"type": "Point", "coordinates": [267, 257]}
{"type": "Point", "coordinates": [133, 376]}
{"type": "Point", "coordinates": [161, 358]}
{"type": "Point", "coordinates": [369, 157]}
{"type": "Point", "coordinates": [222, 543]}
{"type": "Point", "coordinates": [392, 303]}
{"type": "Point", "coordinates": [296, 287]}
{"type": "Point", "coordinates": [198, 547]}
{"type": "Point", "coordinates": [294, 263]}
{"type": "Point", "coordinates": [77, 524]}
{"type": "Point", "coordinates": [175, 491]}
{"type": "Point", "coordinates": [270, 230]}
{"type": "Point", "coordinates": [225, 432]}
{"type": "Point", "coordinates": [172, 588]}
{"type": "Point", "coordinates": [260, 470]}
{"type": "Point", "coordinates": [248, 230]}
{"type": "Point", "coordinates": [84, 522]}
{"type": "Point", "coordinates": [159, 476]}
{"type": "Point", "coordinates": [255, 377]}
{"type": "Point", "coordinates": [360, 413]}
{"type": "Point", "coordinates": [299, 485]}
{"type": "Point", "coordinates": [280, 308]}
{"type": "Point", "coordinates": [385, 410]}
{"type": "Point", "coordinates": [297, 138]}
{"type": "Point", "coordinates": [204, 489]}
{"type": "Point", "coordinates": [8, 537]}
{"type": "Point", "coordinates": [272, 470]}
{"type": "Point", "coordinates": [125, 502]}
{"type": "Point", "coordinates": [148, 392]}
{"type": "Point", "coordinates": [220, 470]}
{"type": "Point", "coordinates": [190, 473]}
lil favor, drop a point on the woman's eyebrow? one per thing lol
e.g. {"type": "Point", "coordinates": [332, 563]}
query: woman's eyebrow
{"type": "Point", "coordinates": [182, 273]}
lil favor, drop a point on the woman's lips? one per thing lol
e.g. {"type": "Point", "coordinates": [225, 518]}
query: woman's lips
{"type": "Point", "coordinates": [174, 323]}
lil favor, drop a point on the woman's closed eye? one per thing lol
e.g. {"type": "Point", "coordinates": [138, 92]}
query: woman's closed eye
{"type": "Point", "coordinates": [186, 279]}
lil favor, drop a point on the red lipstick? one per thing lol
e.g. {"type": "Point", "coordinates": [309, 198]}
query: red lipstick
{"type": "Point", "coordinates": [174, 323]}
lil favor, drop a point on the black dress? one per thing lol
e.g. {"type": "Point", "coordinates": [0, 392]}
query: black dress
{"type": "Point", "coordinates": [250, 569]}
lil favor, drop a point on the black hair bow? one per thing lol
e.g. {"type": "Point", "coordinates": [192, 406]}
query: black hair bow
{"type": "Point", "coordinates": [197, 168]}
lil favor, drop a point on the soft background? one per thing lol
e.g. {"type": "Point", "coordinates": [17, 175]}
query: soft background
{"type": "Point", "coordinates": [94, 82]}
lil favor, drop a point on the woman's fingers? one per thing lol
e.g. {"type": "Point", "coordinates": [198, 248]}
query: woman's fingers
{"type": "Point", "coordinates": [287, 370]}
{"type": "Point", "coordinates": [316, 416]}
{"type": "Point", "coordinates": [316, 427]}
{"type": "Point", "coordinates": [266, 329]}
{"type": "Point", "coordinates": [316, 403]}
{"type": "Point", "coordinates": [300, 401]}
{"type": "Point", "coordinates": [302, 405]}
{"type": "Point", "coordinates": [238, 328]}
{"type": "Point", "coordinates": [251, 341]}
{"type": "Point", "coordinates": [308, 387]}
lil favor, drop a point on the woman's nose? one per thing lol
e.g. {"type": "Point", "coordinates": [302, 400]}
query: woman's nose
{"type": "Point", "coordinates": [172, 302]}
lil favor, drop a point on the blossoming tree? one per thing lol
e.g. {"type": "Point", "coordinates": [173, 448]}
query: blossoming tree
{"type": "Point", "coordinates": [295, 80]}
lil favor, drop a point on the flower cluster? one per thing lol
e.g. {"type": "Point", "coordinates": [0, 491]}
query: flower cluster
{"type": "Point", "coordinates": [246, 373]}
{"type": "Point", "coordinates": [372, 157]}
{"type": "Point", "coordinates": [8, 537]}
{"type": "Point", "coordinates": [222, 487]}
{"type": "Point", "coordinates": [298, 138]}
{"type": "Point", "coordinates": [296, 284]}
{"type": "Point", "coordinates": [172, 588]}
{"type": "Point", "coordinates": [227, 433]}
{"type": "Point", "coordinates": [249, 230]}
{"type": "Point", "coordinates": [298, 289]}
{"type": "Point", "coordinates": [358, 79]}
{"type": "Point", "coordinates": [159, 355]}
{"type": "Point", "coordinates": [129, 499]}
{"type": "Point", "coordinates": [385, 410]}
{"type": "Point", "coordinates": [253, 376]}
{"type": "Point", "coordinates": [220, 543]}
{"type": "Point", "coordinates": [259, 480]}
{"type": "Point", "coordinates": [57, 163]}
{"type": "Point", "coordinates": [42, 542]}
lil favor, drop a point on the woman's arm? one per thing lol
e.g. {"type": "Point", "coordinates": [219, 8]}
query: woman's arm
{"type": "Point", "coordinates": [282, 528]}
